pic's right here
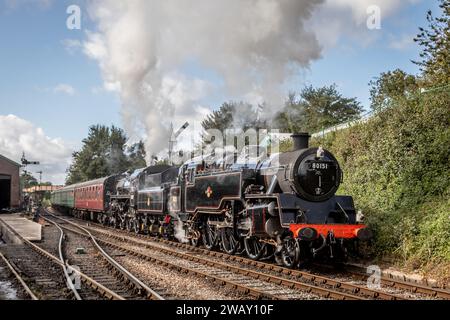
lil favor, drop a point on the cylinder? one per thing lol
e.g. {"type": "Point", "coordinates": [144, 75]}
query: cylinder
{"type": "Point", "coordinates": [301, 141]}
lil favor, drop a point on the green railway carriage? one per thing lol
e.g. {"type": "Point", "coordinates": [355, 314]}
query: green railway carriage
{"type": "Point", "coordinates": [64, 197]}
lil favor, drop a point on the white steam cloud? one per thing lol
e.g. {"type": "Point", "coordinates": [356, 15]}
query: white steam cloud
{"type": "Point", "coordinates": [143, 47]}
{"type": "Point", "coordinates": [18, 135]}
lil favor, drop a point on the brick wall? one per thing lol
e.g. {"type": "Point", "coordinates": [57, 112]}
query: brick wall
{"type": "Point", "coordinates": [10, 169]}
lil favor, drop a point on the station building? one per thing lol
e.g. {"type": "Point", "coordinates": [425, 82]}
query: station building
{"type": "Point", "coordinates": [9, 183]}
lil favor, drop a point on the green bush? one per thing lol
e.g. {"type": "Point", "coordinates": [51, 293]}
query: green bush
{"type": "Point", "coordinates": [396, 167]}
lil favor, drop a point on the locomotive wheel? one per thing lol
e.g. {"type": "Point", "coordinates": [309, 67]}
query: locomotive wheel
{"type": "Point", "coordinates": [254, 248]}
{"type": "Point", "coordinates": [114, 223]}
{"type": "Point", "coordinates": [195, 242]}
{"type": "Point", "coordinates": [278, 259]}
{"type": "Point", "coordinates": [210, 237]}
{"type": "Point", "coordinates": [290, 254]}
{"type": "Point", "coordinates": [269, 253]}
{"type": "Point", "coordinates": [195, 239]}
{"type": "Point", "coordinates": [137, 226]}
{"type": "Point", "coordinates": [241, 248]}
{"type": "Point", "coordinates": [134, 226]}
{"type": "Point", "coordinates": [230, 243]}
{"type": "Point", "coordinates": [129, 225]}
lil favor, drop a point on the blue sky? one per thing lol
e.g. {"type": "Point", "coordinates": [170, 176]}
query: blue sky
{"type": "Point", "coordinates": [60, 90]}
{"type": "Point", "coordinates": [34, 61]}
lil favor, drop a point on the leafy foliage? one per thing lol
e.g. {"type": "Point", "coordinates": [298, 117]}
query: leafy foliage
{"type": "Point", "coordinates": [136, 156]}
{"type": "Point", "coordinates": [390, 86]}
{"type": "Point", "coordinates": [224, 118]}
{"type": "Point", "coordinates": [435, 43]}
{"type": "Point", "coordinates": [103, 154]}
{"type": "Point", "coordinates": [396, 164]}
{"type": "Point", "coordinates": [316, 109]}
{"type": "Point", "coordinates": [396, 168]}
{"type": "Point", "coordinates": [28, 181]}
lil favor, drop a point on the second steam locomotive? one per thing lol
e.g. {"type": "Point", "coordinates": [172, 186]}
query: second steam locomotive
{"type": "Point", "coordinates": [284, 207]}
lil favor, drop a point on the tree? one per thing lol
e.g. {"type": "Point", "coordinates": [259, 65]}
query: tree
{"type": "Point", "coordinates": [102, 154]}
{"type": "Point", "coordinates": [292, 115]}
{"type": "Point", "coordinates": [316, 109]}
{"type": "Point", "coordinates": [391, 86]}
{"type": "Point", "coordinates": [136, 156]}
{"type": "Point", "coordinates": [221, 119]}
{"type": "Point", "coordinates": [435, 41]}
{"type": "Point", "coordinates": [233, 115]}
{"type": "Point", "coordinates": [116, 159]}
{"type": "Point", "coordinates": [28, 181]}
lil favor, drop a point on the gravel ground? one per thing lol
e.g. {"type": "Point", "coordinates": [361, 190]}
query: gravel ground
{"type": "Point", "coordinates": [176, 285]}
{"type": "Point", "coordinates": [402, 293]}
{"type": "Point", "coordinates": [168, 283]}
{"type": "Point", "coordinates": [50, 239]}
{"type": "Point", "coordinates": [236, 278]}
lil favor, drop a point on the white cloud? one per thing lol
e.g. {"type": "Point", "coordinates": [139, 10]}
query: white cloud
{"type": "Point", "coordinates": [18, 135]}
{"type": "Point", "coordinates": [402, 42]}
{"type": "Point", "coordinates": [64, 88]}
{"type": "Point", "coordinates": [348, 18]}
{"type": "Point", "coordinates": [72, 45]}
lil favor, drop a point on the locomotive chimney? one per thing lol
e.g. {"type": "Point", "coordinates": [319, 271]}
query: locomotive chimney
{"type": "Point", "coordinates": [301, 141]}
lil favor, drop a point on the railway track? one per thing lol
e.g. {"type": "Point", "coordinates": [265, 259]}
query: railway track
{"type": "Point", "coordinates": [359, 272]}
{"type": "Point", "coordinates": [391, 289]}
{"type": "Point", "coordinates": [356, 282]}
{"type": "Point", "coordinates": [244, 284]}
{"type": "Point", "coordinates": [85, 254]}
{"type": "Point", "coordinates": [40, 274]}
{"type": "Point", "coordinates": [23, 291]}
{"type": "Point", "coordinates": [226, 265]}
{"type": "Point", "coordinates": [46, 277]}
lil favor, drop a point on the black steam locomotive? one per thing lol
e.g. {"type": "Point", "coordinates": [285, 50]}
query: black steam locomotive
{"type": "Point", "coordinates": [284, 207]}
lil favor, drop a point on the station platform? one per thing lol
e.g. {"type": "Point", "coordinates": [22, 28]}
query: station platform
{"type": "Point", "coordinates": [26, 228]}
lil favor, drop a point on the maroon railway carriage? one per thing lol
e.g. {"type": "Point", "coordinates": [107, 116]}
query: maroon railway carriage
{"type": "Point", "coordinates": [93, 197]}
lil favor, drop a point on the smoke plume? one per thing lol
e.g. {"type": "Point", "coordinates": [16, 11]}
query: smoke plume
{"type": "Point", "coordinates": [241, 49]}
